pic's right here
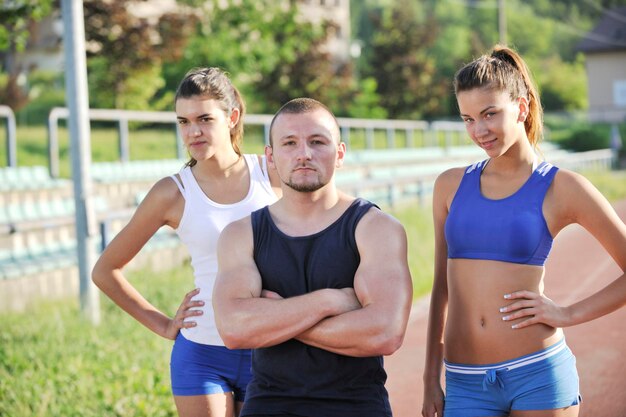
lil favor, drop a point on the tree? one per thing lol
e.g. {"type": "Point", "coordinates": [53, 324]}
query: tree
{"type": "Point", "coordinates": [562, 84]}
{"type": "Point", "coordinates": [16, 19]}
{"type": "Point", "coordinates": [125, 52]}
{"type": "Point", "coordinates": [273, 54]}
{"type": "Point", "coordinates": [400, 62]}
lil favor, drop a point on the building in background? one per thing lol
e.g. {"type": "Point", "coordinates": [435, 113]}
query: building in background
{"type": "Point", "coordinates": [605, 54]}
{"type": "Point", "coordinates": [337, 12]}
{"type": "Point", "coordinates": [44, 48]}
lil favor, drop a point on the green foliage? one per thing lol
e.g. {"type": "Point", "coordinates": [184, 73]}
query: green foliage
{"type": "Point", "coordinates": [548, 46]}
{"type": "Point", "coordinates": [482, 18]}
{"type": "Point", "coordinates": [46, 90]}
{"type": "Point", "coordinates": [524, 26]}
{"type": "Point", "coordinates": [544, 32]}
{"type": "Point", "coordinates": [586, 137]}
{"type": "Point", "coordinates": [364, 102]}
{"type": "Point", "coordinates": [125, 53]}
{"type": "Point", "coordinates": [15, 18]}
{"type": "Point", "coordinates": [453, 30]}
{"type": "Point", "coordinates": [100, 97]}
{"type": "Point", "coordinates": [400, 63]}
{"type": "Point", "coordinates": [572, 131]}
{"type": "Point", "coordinates": [563, 85]}
{"type": "Point", "coordinates": [243, 41]}
{"type": "Point", "coordinates": [410, 52]}
{"type": "Point", "coordinates": [273, 55]}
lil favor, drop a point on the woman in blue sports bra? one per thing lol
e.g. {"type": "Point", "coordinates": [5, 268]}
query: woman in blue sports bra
{"type": "Point", "coordinates": [218, 185]}
{"type": "Point", "coordinates": [491, 327]}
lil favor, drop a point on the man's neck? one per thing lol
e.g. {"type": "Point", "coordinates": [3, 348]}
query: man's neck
{"type": "Point", "coordinates": [301, 214]}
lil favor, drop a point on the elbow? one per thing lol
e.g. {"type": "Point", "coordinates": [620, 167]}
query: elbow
{"type": "Point", "coordinates": [103, 274]}
{"type": "Point", "coordinates": [387, 343]}
{"type": "Point", "coordinates": [227, 318]}
{"type": "Point", "coordinates": [232, 336]}
{"type": "Point", "coordinates": [232, 344]}
{"type": "Point", "coordinates": [390, 335]}
{"type": "Point", "coordinates": [232, 341]}
{"type": "Point", "coordinates": [390, 345]}
{"type": "Point", "coordinates": [97, 275]}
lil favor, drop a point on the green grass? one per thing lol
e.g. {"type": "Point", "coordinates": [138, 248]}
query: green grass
{"type": "Point", "coordinates": [611, 184]}
{"type": "Point", "coordinates": [420, 233]}
{"type": "Point", "coordinates": [53, 363]}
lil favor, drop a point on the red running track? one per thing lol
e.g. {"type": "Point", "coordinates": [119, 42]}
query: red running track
{"type": "Point", "coordinates": [577, 267]}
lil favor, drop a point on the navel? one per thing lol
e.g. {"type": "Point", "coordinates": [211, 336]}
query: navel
{"type": "Point", "coordinates": [482, 322]}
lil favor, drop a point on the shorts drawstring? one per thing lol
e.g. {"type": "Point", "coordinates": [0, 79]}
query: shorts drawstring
{"type": "Point", "coordinates": [492, 377]}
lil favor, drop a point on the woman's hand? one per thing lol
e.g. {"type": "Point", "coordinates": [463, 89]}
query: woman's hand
{"type": "Point", "coordinates": [188, 308]}
{"type": "Point", "coordinates": [433, 401]}
{"type": "Point", "coordinates": [535, 308]}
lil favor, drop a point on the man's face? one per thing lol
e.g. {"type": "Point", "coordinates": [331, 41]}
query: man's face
{"type": "Point", "coordinates": [305, 149]}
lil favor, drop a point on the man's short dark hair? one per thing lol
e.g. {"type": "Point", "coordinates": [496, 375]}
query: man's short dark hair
{"type": "Point", "coordinates": [298, 106]}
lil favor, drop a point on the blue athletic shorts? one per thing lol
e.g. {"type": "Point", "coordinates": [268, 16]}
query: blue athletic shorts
{"type": "Point", "coordinates": [198, 369]}
{"type": "Point", "coordinates": [544, 380]}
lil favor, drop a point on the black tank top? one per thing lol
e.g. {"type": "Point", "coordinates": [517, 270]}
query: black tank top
{"type": "Point", "coordinates": [295, 378]}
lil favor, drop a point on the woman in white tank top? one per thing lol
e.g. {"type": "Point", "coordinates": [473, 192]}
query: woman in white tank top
{"type": "Point", "coordinates": [217, 186]}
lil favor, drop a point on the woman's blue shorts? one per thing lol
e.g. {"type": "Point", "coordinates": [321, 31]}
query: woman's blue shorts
{"type": "Point", "coordinates": [198, 369]}
{"type": "Point", "coordinates": [543, 380]}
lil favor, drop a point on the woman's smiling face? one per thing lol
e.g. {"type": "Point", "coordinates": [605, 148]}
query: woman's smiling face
{"type": "Point", "coordinates": [493, 121]}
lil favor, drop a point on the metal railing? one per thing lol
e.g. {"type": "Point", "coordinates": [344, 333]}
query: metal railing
{"type": "Point", "coordinates": [430, 131]}
{"type": "Point", "coordinates": [11, 134]}
{"type": "Point", "coordinates": [122, 117]}
{"type": "Point", "coordinates": [389, 126]}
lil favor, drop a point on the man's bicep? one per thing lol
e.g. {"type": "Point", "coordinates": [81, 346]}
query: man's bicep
{"type": "Point", "coordinates": [238, 275]}
{"type": "Point", "coordinates": [383, 273]}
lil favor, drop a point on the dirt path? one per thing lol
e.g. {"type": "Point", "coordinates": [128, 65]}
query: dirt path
{"type": "Point", "coordinates": [577, 267]}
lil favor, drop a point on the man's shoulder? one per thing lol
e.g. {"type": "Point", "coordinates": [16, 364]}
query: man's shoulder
{"type": "Point", "coordinates": [238, 228]}
{"type": "Point", "coordinates": [377, 220]}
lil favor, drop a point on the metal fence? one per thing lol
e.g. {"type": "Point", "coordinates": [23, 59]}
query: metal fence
{"type": "Point", "coordinates": [11, 134]}
{"type": "Point", "coordinates": [444, 134]}
{"type": "Point", "coordinates": [452, 132]}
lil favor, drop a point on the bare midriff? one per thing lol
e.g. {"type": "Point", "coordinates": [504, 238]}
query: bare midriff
{"type": "Point", "coordinates": [475, 332]}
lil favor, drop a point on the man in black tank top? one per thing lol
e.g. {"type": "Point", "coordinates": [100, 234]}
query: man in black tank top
{"type": "Point", "coordinates": [317, 284]}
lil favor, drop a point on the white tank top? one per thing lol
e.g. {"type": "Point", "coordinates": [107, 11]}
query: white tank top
{"type": "Point", "coordinates": [200, 226]}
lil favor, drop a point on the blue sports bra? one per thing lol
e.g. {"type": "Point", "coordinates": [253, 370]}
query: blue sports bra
{"type": "Point", "coordinates": [510, 229]}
